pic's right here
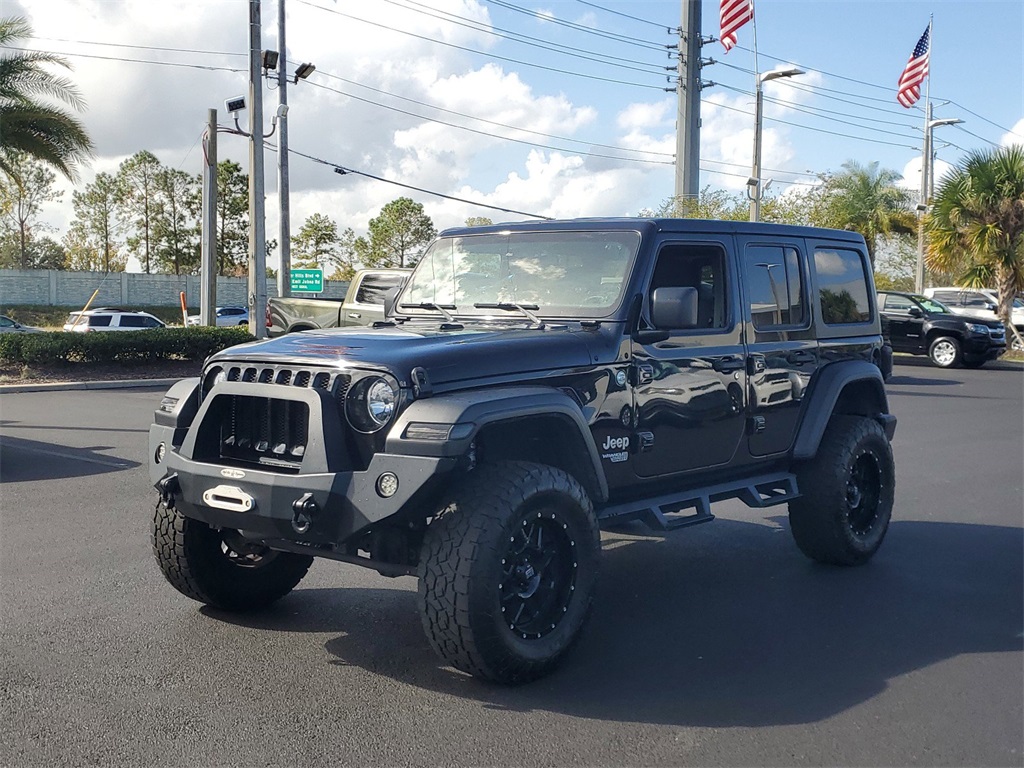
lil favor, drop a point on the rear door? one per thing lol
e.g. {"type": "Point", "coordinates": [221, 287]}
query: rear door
{"type": "Point", "coordinates": [689, 389]}
{"type": "Point", "coordinates": [783, 351]}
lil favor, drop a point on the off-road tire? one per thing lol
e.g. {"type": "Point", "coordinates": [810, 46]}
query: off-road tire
{"type": "Point", "coordinates": [480, 545]}
{"type": "Point", "coordinates": [973, 362]}
{"type": "Point", "coordinates": [846, 492]}
{"type": "Point", "coordinates": [944, 352]}
{"type": "Point", "coordinates": [192, 557]}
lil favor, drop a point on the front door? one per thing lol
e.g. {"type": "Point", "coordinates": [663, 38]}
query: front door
{"type": "Point", "coordinates": [689, 389]}
{"type": "Point", "coordinates": [906, 331]}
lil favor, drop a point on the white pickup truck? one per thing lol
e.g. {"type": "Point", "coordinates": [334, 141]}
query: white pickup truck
{"type": "Point", "coordinates": [363, 304]}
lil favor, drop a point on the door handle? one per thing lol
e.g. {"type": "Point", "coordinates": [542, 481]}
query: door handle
{"type": "Point", "coordinates": [730, 363]}
{"type": "Point", "coordinates": [799, 358]}
{"type": "Point", "coordinates": [354, 314]}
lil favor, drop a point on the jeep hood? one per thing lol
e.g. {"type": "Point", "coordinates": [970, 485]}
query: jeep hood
{"type": "Point", "coordinates": [447, 355]}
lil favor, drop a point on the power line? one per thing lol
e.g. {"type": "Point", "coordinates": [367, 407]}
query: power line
{"type": "Point", "coordinates": [344, 170]}
{"type": "Point", "coordinates": [980, 138]}
{"type": "Point", "coordinates": [578, 27]}
{"type": "Point", "coordinates": [627, 16]}
{"type": "Point", "coordinates": [486, 133]}
{"type": "Point", "coordinates": [125, 59]}
{"type": "Point", "coordinates": [975, 114]}
{"type": "Point", "coordinates": [517, 37]}
{"type": "Point", "coordinates": [488, 122]}
{"type": "Point", "coordinates": [480, 53]}
{"type": "Point", "coordinates": [141, 47]}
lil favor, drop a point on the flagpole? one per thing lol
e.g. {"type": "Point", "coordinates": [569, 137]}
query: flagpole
{"type": "Point", "coordinates": [926, 157]}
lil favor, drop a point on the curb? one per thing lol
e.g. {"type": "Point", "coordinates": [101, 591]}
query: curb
{"type": "Point", "coordinates": [67, 386]}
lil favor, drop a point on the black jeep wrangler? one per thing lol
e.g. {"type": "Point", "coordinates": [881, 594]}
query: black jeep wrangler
{"type": "Point", "coordinates": [532, 383]}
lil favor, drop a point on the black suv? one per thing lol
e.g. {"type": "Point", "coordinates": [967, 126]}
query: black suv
{"type": "Point", "coordinates": [533, 383]}
{"type": "Point", "coordinates": [923, 326]}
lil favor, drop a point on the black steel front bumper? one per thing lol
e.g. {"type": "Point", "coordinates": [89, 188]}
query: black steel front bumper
{"type": "Point", "coordinates": [266, 503]}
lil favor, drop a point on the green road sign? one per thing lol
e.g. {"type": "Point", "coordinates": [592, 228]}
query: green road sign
{"type": "Point", "coordinates": [307, 280]}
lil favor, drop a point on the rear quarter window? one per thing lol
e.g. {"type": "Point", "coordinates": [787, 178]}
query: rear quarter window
{"type": "Point", "coordinates": [842, 286]}
{"type": "Point", "coordinates": [99, 321]}
{"type": "Point", "coordinates": [374, 288]}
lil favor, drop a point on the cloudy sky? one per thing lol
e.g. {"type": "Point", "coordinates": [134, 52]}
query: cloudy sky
{"type": "Point", "coordinates": [554, 108]}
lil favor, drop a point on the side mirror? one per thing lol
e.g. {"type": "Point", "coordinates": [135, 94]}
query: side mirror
{"type": "Point", "coordinates": [673, 308]}
{"type": "Point", "coordinates": [916, 312]}
{"type": "Point", "coordinates": [991, 307]}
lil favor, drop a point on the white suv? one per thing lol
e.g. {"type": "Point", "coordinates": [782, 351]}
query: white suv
{"type": "Point", "coordinates": [978, 302]}
{"type": "Point", "coordinates": [111, 319]}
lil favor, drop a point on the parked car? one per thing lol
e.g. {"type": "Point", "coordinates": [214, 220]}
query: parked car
{"type": "Point", "coordinates": [978, 302]}
{"type": "Point", "coordinates": [923, 326]}
{"type": "Point", "coordinates": [363, 304]}
{"type": "Point", "coordinates": [111, 319]}
{"type": "Point", "coordinates": [226, 316]}
{"type": "Point", "coordinates": [7, 325]}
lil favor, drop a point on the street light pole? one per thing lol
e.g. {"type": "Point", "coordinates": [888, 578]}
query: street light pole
{"type": "Point", "coordinates": [927, 171]}
{"type": "Point", "coordinates": [754, 188]}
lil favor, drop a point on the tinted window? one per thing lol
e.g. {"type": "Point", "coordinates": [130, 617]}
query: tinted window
{"type": "Point", "coordinates": [949, 297]}
{"type": "Point", "coordinates": [774, 286]}
{"type": "Point", "coordinates": [900, 303]}
{"type": "Point", "coordinates": [133, 321]}
{"type": "Point", "coordinates": [695, 266]}
{"type": "Point", "coordinates": [6, 322]}
{"type": "Point", "coordinates": [842, 286]}
{"type": "Point", "coordinates": [99, 321]}
{"type": "Point", "coordinates": [374, 287]}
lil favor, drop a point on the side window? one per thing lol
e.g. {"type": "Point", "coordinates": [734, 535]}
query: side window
{"type": "Point", "coordinates": [99, 321]}
{"type": "Point", "coordinates": [975, 301]}
{"type": "Point", "coordinates": [695, 266]}
{"type": "Point", "coordinates": [842, 286]}
{"type": "Point", "coordinates": [898, 303]}
{"type": "Point", "coordinates": [774, 286]}
{"type": "Point", "coordinates": [132, 321]}
{"type": "Point", "coordinates": [947, 297]}
{"type": "Point", "coordinates": [150, 322]}
{"type": "Point", "coordinates": [6, 323]}
{"type": "Point", "coordinates": [374, 287]}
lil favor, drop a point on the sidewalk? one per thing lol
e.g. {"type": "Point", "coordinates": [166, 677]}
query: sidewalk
{"type": "Point", "coordinates": [61, 386]}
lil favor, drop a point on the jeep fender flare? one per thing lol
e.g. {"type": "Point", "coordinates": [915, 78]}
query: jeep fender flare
{"type": "Point", "coordinates": [462, 415]}
{"type": "Point", "coordinates": [857, 386]}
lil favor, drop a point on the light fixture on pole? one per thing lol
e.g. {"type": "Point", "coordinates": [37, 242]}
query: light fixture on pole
{"type": "Point", "coordinates": [754, 188]}
{"type": "Point", "coordinates": [926, 185]}
{"type": "Point", "coordinates": [305, 70]}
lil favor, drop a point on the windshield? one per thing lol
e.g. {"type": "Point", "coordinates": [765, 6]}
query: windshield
{"type": "Point", "coordinates": [555, 274]}
{"type": "Point", "coordinates": [931, 305]}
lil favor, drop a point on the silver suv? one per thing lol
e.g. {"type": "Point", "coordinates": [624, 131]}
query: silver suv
{"type": "Point", "coordinates": [111, 319]}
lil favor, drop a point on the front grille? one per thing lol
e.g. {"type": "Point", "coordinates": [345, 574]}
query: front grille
{"type": "Point", "coordinates": [263, 431]}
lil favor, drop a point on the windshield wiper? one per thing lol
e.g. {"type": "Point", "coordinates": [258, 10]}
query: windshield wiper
{"type": "Point", "coordinates": [508, 306]}
{"type": "Point", "coordinates": [442, 308]}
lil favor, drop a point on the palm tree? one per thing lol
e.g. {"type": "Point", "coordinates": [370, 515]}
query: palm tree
{"type": "Point", "coordinates": [976, 226]}
{"type": "Point", "coordinates": [30, 124]}
{"type": "Point", "coordinates": [865, 199]}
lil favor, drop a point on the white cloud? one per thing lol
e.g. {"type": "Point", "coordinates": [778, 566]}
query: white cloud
{"type": "Point", "coordinates": [1015, 136]}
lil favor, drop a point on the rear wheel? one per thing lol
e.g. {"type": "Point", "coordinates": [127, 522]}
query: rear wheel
{"type": "Point", "coordinates": [507, 571]}
{"type": "Point", "coordinates": [220, 568]}
{"type": "Point", "coordinates": [944, 352]}
{"type": "Point", "coordinates": [847, 493]}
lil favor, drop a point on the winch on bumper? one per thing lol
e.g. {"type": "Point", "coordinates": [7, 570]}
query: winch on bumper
{"type": "Point", "coordinates": [276, 463]}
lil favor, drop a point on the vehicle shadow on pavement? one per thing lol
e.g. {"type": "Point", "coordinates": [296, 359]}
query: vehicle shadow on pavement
{"type": "Point", "coordinates": [24, 460]}
{"type": "Point", "coordinates": [736, 628]}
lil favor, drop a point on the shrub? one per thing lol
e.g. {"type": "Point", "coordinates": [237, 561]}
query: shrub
{"type": "Point", "coordinates": [60, 347]}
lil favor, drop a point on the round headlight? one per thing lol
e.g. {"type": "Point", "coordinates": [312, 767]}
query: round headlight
{"type": "Point", "coordinates": [371, 403]}
{"type": "Point", "coordinates": [380, 401]}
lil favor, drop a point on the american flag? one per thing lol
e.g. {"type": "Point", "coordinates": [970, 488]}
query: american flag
{"type": "Point", "coordinates": [734, 13]}
{"type": "Point", "coordinates": [914, 73]}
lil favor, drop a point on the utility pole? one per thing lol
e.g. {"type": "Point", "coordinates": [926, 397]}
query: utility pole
{"type": "Point", "coordinates": [688, 102]}
{"type": "Point", "coordinates": [284, 224]}
{"type": "Point", "coordinates": [208, 257]}
{"type": "Point", "coordinates": [257, 218]}
{"type": "Point", "coordinates": [927, 185]}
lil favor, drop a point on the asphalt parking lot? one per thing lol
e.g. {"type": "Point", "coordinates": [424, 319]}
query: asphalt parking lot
{"type": "Point", "coordinates": [717, 645]}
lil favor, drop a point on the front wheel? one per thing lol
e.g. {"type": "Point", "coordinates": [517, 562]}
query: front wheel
{"type": "Point", "coordinates": [944, 352]}
{"type": "Point", "coordinates": [846, 493]}
{"type": "Point", "coordinates": [220, 568]}
{"type": "Point", "coordinates": [507, 571]}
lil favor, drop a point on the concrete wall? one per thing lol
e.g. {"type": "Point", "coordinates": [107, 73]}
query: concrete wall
{"type": "Point", "coordinates": [126, 289]}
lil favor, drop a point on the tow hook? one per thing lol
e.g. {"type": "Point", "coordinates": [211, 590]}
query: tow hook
{"type": "Point", "coordinates": [168, 487]}
{"type": "Point", "coordinates": [304, 509]}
